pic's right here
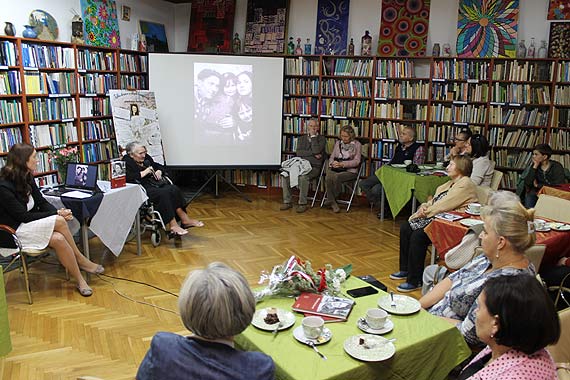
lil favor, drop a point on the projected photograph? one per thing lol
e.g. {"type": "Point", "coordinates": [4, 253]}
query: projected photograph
{"type": "Point", "coordinates": [223, 103]}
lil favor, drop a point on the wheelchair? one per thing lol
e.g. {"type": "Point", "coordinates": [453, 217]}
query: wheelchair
{"type": "Point", "coordinates": [150, 220]}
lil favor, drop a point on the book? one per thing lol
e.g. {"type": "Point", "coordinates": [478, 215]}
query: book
{"type": "Point", "coordinates": [323, 305]}
{"type": "Point", "coordinates": [448, 216]}
{"type": "Point", "coordinates": [118, 173]}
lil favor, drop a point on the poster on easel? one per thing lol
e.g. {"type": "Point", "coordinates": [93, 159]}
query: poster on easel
{"type": "Point", "coordinates": [135, 119]}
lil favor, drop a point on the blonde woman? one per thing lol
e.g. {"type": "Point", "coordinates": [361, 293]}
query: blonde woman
{"type": "Point", "coordinates": [216, 304]}
{"type": "Point", "coordinates": [343, 165]}
{"type": "Point", "coordinates": [508, 231]}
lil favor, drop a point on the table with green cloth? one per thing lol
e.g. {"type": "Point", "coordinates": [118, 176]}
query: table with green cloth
{"type": "Point", "coordinates": [5, 342]}
{"type": "Point", "coordinates": [398, 186]}
{"type": "Point", "coordinates": [427, 347]}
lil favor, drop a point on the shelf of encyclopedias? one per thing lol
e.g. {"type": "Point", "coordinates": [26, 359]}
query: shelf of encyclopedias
{"type": "Point", "coordinates": [55, 94]}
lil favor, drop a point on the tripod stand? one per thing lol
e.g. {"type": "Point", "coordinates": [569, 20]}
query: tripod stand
{"type": "Point", "coordinates": [217, 177]}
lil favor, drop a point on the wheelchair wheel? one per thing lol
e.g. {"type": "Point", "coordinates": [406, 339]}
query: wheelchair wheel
{"type": "Point", "coordinates": [155, 238]}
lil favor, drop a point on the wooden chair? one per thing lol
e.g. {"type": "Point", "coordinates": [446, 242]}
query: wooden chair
{"type": "Point", "coordinates": [483, 193]}
{"type": "Point", "coordinates": [496, 179]}
{"type": "Point", "coordinates": [561, 350]}
{"type": "Point", "coordinates": [534, 254]}
{"type": "Point", "coordinates": [553, 208]}
{"type": "Point", "coordinates": [23, 255]}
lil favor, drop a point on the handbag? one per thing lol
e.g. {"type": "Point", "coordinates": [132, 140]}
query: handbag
{"type": "Point", "coordinates": [157, 182]}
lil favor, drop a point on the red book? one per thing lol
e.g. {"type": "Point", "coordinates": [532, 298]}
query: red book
{"type": "Point", "coordinates": [323, 305]}
{"type": "Point", "coordinates": [118, 174]}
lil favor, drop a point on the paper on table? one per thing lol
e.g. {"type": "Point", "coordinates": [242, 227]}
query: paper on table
{"type": "Point", "coordinates": [77, 194]}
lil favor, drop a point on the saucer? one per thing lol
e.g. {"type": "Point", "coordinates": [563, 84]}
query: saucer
{"type": "Point", "coordinates": [286, 317]}
{"type": "Point", "coordinates": [300, 336]}
{"type": "Point", "coordinates": [404, 304]}
{"type": "Point", "coordinates": [560, 226]}
{"type": "Point", "coordinates": [388, 326]}
{"type": "Point", "coordinates": [471, 212]}
{"type": "Point", "coordinates": [376, 348]}
{"type": "Point", "coordinates": [543, 229]}
{"type": "Point", "coordinates": [470, 222]}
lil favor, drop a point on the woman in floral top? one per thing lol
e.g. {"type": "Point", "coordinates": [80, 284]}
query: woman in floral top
{"type": "Point", "coordinates": [507, 233]}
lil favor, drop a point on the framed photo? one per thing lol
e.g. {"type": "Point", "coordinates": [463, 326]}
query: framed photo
{"type": "Point", "coordinates": [559, 41]}
{"type": "Point", "coordinates": [155, 34]}
{"type": "Point", "coordinates": [125, 13]}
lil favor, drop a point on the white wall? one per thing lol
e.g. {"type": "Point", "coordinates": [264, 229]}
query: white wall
{"type": "Point", "coordinates": [18, 12]}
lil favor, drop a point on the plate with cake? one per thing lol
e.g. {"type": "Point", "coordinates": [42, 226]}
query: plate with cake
{"type": "Point", "coordinates": [269, 318]}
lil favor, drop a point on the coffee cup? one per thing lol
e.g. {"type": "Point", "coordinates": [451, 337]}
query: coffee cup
{"type": "Point", "coordinates": [439, 164]}
{"type": "Point", "coordinates": [407, 162]}
{"type": "Point", "coordinates": [540, 224]}
{"type": "Point", "coordinates": [313, 327]}
{"type": "Point", "coordinates": [474, 207]}
{"type": "Point", "coordinates": [376, 318]}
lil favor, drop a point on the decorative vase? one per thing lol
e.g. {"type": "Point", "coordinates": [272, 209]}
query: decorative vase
{"type": "Point", "coordinates": [436, 50]}
{"type": "Point", "coordinates": [366, 44]}
{"type": "Point", "coordinates": [236, 44]}
{"type": "Point", "coordinates": [29, 32]}
{"type": "Point", "coordinates": [291, 46]}
{"type": "Point", "coordinates": [61, 173]}
{"type": "Point", "coordinates": [446, 50]}
{"type": "Point", "coordinates": [530, 52]}
{"type": "Point", "coordinates": [543, 51]}
{"type": "Point", "coordinates": [308, 47]}
{"type": "Point", "coordinates": [351, 47]}
{"type": "Point", "coordinates": [521, 51]}
{"type": "Point", "coordinates": [9, 29]}
{"type": "Point", "coordinates": [298, 50]}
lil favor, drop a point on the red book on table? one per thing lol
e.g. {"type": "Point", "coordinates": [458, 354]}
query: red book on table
{"type": "Point", "coordinates": [323, 305]}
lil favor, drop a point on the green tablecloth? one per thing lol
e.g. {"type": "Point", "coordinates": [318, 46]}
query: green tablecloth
{"type": "Point", "coordinates": [398, 185]}
{"type": "Point", "coordinates": [427, 347]}
{"type": "Point", "coordinates": [5, 342]}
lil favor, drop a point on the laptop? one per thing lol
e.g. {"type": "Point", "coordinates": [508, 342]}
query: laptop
{"type": "Point", "coordinates": [80, 177]}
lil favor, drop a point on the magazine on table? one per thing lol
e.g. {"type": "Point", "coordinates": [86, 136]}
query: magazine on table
{"type": "Point", "coordinates": [324, 305]}
{"type": "Point", "coordinates": [449, 216]}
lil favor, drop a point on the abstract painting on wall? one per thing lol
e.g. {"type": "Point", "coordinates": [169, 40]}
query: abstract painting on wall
{"type": "Point", "coordinates": [559, 44]}
{"type": "Point", "coordinates": [332, 27]}
{"type": "Point", "coordinates": [487, 28]}
{"type": "Point", "coordinates": [404, 28]}
{"type": "Point", "coordinates": [155, 35]}
{"type": "Point", "coordinates": [211, 26]}
{"type": "Point", "coordinates": [265, 26]}
{"type": "Point", "coordinates": [100, 24]}
{"type": "Point", "coordinates": [558, 10]}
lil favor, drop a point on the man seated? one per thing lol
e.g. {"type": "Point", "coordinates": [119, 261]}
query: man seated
{"type": "Point", "coordinates": [310, 147]}
{"type": "Point", "coordinates": [407, 149]}
{"type": "Point", "coordinates": [460, 143]}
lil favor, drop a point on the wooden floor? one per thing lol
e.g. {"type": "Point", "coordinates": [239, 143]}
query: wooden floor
{"type": "Point", "coordinates": [63, 335]}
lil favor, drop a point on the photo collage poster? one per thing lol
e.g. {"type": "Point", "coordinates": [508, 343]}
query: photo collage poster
{"type": "Point", "coordinates": [265, 26]}
{"type": "Point", "coordinates": [135, 119]}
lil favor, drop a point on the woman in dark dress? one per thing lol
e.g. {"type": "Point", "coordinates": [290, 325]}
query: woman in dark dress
{"type": "Point", "coordinates": [166, 197]}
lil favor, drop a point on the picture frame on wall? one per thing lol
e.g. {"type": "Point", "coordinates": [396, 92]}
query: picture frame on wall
{"type": "Point", "coordinates": [559, 40]}
{"type": "Point", "coordinates": [265, 26]}
{"type": "Point", "coordinates": [155, 34]}
{"type": "Point", "coordinates": [125, 13]}
{"type": "Point", "coordinates": [211, 26]}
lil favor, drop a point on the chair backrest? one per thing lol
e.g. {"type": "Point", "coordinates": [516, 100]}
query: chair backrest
{"type": "Point", "coordinates": [534, 254]}
{"type": "Point", "coordinates": [483, 193]}
{"type": "Point", "coordinates": [561, 350]}
{"type": "Point", "coordinates": [496, 179]}
{"type": "Point", "coordinates": [553, 208]}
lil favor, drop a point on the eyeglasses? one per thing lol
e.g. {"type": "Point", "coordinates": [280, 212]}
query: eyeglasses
{"type": "Point", "coordinates": [453, 139]}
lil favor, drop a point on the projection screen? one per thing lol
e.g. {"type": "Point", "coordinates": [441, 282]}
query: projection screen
{"type": "Point", "coordinates": [218, 110]}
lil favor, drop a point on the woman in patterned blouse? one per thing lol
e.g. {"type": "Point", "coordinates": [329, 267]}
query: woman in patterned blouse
{"type": "Point", "coordinates": [517, 320]}
{"type": "Point", "coordinates": [508, 232]}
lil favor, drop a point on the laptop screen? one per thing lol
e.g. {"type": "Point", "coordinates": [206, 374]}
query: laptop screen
{"type": "Point", "coordinates": [81, 176]}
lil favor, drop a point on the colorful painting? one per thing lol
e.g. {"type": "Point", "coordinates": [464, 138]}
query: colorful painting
{"type": "Point", "coordinates": [155, 34]}
{"type": "Point", "coordinates": [404, 28]}
{"type": "Point", "coordinates": [559, 44]}
{"type": "Point", "coordinates": [332, 27]}
{"type": "Point", "coordinates": [558, 10]}
{"type": "Point", "coordinates": [487, 28]}
{"type": "Point", "coordinates": [100, 24]}
{"type": "Point", "coordinates": [211, 26]}
{"type": "Point", "coordinates": [265, 26]}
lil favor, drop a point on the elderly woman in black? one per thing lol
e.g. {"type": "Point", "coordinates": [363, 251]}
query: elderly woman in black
{"type": "Point", "coordinates": [166, 197]}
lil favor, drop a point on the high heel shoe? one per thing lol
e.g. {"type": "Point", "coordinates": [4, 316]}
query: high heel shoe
{"type": "Point", "coordinates": [172, 234]}
{"type": "Point", "coordinates": [99, 270]}
{"type": "Point", "coordinates": [85, 292]}
{"type": "Point", "coordinates": [198, 223]}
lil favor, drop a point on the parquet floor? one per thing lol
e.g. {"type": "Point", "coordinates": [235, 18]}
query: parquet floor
{"type": "Point", "coordinates": [65, 336]}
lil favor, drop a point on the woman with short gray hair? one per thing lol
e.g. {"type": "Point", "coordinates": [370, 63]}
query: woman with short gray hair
{"type": "Point", "coordinates": [216, 304]}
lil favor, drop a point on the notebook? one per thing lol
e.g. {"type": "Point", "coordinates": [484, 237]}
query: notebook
{"type": "Point", "coordinates": [80, 177]}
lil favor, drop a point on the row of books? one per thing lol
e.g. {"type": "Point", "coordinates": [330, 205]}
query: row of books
{"type": "Point", "coordinates": [99, 151]}
{"type": "Point", "coordinates": [460, 91]}
{"type": "Point", "coordinates": [47, 56]}
{"type": "Point", "coordinates": [96, 60]}
{"type": "Point", "coordinates": [347, 66]}
{"type": "Point", "coordinates": [295, 124]}
{"type": "Point", "coordinates": [345, 108]}
{"type": "Point", "coordinates": [97, 83]}
{"type": "Point", "coordinates": [395, 68]}
{"type": "Point", "coordinates": [97, 129]}
{"type": "Point", "coordinates": [344, 87]}
{"type": "Point", "coordinates": [562, 95]}
{"type": "Point", "coordinates": [509, 180]}
{"type": "Point", "coordinates": [10, 111]}
{"type": "Point", "coordinates": [390, 130]}
{"type": "Point", "coordinates": [563, 74]}
{"type": "Point", "coordinates": [52, 134]}
{"type": "Point", "coordinates": [133, 63]}
{"type": "Point", "coordinates": [520, 93]}
{"type": "Point", "coordinates": [46, 180]}
{"type": "Point", "coordinates": [560, 139]}
{"type": "Point", "coordinates": [465, 113]}
{"type": "Point", "coordinates": [461, 69]}
{"type": "Point", "coordinates": [45, 163]}
{"type": "Point", "coordinates": [40, 109]}
{"type": "Point", "coordinates": [301, 66]}
{"type": "Point", "coordinates": [511, 159]}
{"type": "Point", "coordinates": [383, 150]}
{"type": "Point", "coordinates": [521, 138]}
{"type": "Point", "coordinates": [400, 110]}
{"type": "Point", "coordinates": [561, 117]}
{"type": "Point", "coordinates": [518, 116]}
{"type": "Point", "coordinates": [248, 177]}
{"type": "Point", "coordinates": [331, 127]}
{"type": "Point", "coordinates": [444, 133]}
{"type": "Point", "coordinates": [9, 137]}
{"type": "Point", "coordinates": [301, 86]}
{"type": "Point", "coordinates": [437, 153]}
{"type": "Point", "coordinates": [94, 107]}
{"type": "Point", "coordinates": [10, 82]}
{"type": "Point", "coordinates": [401, 89]}
{"type": "Point", "coordinates": [8, 54]}
{"type": "Point", "coordinates": [301, 106]}
{"type": "Point", "coordinates": [527, 71]}
{"type": "Point", "coordinates": [134, 81]}
{"type": "Point", "coordinates": [50, 83]}
{"type": "Point", "coordinates": [564, 159]}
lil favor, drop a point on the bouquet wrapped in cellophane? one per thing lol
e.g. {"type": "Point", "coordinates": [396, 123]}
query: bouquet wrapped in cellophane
{"type": "Point", "coordinates": [296, 276]}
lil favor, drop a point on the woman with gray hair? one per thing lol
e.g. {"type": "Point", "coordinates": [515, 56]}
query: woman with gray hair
{"type": "Point", "coordinates": [216, 304]}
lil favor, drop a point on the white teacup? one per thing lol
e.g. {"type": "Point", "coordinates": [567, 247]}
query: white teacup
{"type": "Point", "coordinates": [540, 224]}
{"type": "Point", "coordinates": [376, 318]}
{"type": "Point", "coordinates": [313, 327]}
{"type": "Point", "coordinates": [439, 164]}
{"type": "Point", "coordinates": [407, 162]}
{"type": "Point", "coordinates": [474, 207]}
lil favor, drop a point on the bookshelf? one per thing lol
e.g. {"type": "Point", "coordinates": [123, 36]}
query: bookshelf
{"type": "Point", "coordinates": [55, 94]}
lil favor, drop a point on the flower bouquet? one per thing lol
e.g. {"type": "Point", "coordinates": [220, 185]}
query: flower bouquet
{"type": "Point", "coordinates": [59, 159]}
{"type": "Point", "coordinates": [296, 276]}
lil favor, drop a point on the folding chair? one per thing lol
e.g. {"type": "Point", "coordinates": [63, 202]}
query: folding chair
{"type": "Point", "coordinates": [319, 182]}
{"type": "Point", "coordinates": [353, 187]}
{"type": "Point", "coordinates": [496, 179]}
